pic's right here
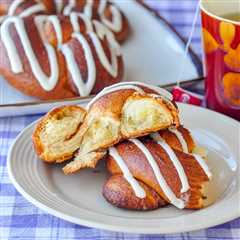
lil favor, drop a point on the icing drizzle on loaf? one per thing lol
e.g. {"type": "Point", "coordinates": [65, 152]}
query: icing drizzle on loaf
{"type": "Point", "coordinates": [173, 157]}
{"type": "Point", "coordinates": [178, 202]}
{"type": "Point", "coordinates": [137, 188]}
{"type": "Point", "coordinates": [136, 86]}
{"type": "Point", "coordinates": [180, 138]}
{"type": "Point", "coordinates": [38, 7]}
{"type": "Point", "coordinates": [160, 178]}
{"type": "Point", "coordinates": [66, 8]}
{"type": "Point", "coordinates": [49, 82]}
{"type": "Point", "coordinates": [115, 24]}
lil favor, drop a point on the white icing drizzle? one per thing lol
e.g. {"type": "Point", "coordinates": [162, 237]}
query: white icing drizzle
{"type": "Point", "coordinates": [88, 8]}
{"type": "Point", "coordinates": [127, 85]}
{"type": "Point", "coordinates": [137, 188]}
{"type": "Point", "coordinates": [112, 67]}
{"type": "Point", "coordinates": [67, 9]}
{"type": "Point", "coordinates": [181, 139]}
{"type": "Point", "coordinates": [111, 89]}
{"type": "Point", "coordinates": [47, 83]}
{"type": "Point", "coordinates": [161, 180]}
{"type": "Point", "coordinates": [33, 9]}
{"type": "Point", "coordinates": [57, 27]}
{"type": "Point", "coordinates": [102, 31]}
{"type": "Point", "coordinates": [203, 165]}
{"type": "Point", "coordinates": [13, 7]}
{"type": "Point", "coordinates": [83, 88]}
{"type": "Point", "coordinates": [75, 24]}
{"type": "Point", "coordinates": [88, 23]}
{"type": "Point", "coordinates": [160, 91]}
{"type": "Point", "coordinates": [180, 203]}
{"type": "Point", "coordinates": [116, 23]}
{"type": "Point", "coordinates": [174, 159]}
{"type": "Point", "coordinates": [27, 12]}
{"type": "Point", "coordinates": [116, 87]}
{"type": "Point", "coordinates": [157, 137]}
{"type": "Point", "coordinates": [2, 18]}
{"type": "Point", "coordinates": [59, 5]}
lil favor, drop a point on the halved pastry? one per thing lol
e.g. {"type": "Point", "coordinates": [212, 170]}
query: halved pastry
{"type": "Point", "coordinates": [177, 177]}
{"type": "Point", "coordinates": [122, 111]}
{"type": "Point", "coordinates": [119, 112]}
{"type": "Point", "coordinates": [58, 134]}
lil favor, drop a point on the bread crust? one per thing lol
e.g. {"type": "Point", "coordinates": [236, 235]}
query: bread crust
{"type": "Point", "coordinates": [112, 105]}
{"type": "Point", "coordinates": [174, 142]}
{"type": "Point", "coordinates": [141, 170]}
{"type": "Point", "coordinates": [27, 83]}
{"type": "Point", "coordinates": [50, 9]}
{"type": "Point", "coordinates": [106, 113]}
{"type": "Point", "coordinates": [40, 146]}
{"type": "Point", "coordinates": [119, 193]}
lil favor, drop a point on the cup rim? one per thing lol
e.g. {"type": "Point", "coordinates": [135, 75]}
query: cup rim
{"type": "Point", "coordinates": [215, 16]}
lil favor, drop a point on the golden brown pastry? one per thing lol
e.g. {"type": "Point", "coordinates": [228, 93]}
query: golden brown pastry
{"type": "Point", "coordinates": [35, 64]}
{"type": "Point", "coordinates": [119, 193]}
{"type": "Point", "coordinates": [103, 11]}
{"type": "Point", "coordinates": [43, 58]}
{"type": "Point", "coordinates": [179, 138]}
{"type": "Point", "coordinates": [117, 113]}
{"type": "Point", "coordinates": [57, 135]}
{"type": "Point", "coordinates": [122, 111]}
{"type": "Point", "coordinates": [177, 177]}
{"type": "Point", "coordinates": [152, 159]}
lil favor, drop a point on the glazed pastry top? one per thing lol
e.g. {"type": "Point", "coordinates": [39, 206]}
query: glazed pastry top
{"type": "Point", "coordinates": [89, 34]}
{"type": "Point", "coordinates": [178, 202]}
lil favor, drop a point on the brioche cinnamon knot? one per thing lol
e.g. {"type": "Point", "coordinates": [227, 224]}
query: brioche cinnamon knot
{"type": "Point", "coordinates": [135, 127]}
{"type": "Point", "coordinates": [53, 50]}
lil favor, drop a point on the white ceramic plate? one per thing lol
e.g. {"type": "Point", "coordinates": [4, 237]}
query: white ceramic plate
{"type": "Point", "coordinates": [152, 54]}
{"type": "Point", "coordinates": [78, 198]}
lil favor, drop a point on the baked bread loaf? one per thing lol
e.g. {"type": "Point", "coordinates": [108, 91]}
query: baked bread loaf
{"type": "Point", "coordinates": [119, 112]}
{"type": "Point", "coordinates": [177, 177]}
{"type": "Point", "coordinates": [57, 56]}
{"type": "Point", "coordinates": [152, 159]}
{"type": "Point", "coordinates": [57, 135]}
{"type": "Point", "coordinates": [103, 11]}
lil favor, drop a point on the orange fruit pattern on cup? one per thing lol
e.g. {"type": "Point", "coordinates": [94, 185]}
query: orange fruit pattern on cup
{"type": "Point", "coordinates": [231, 80]}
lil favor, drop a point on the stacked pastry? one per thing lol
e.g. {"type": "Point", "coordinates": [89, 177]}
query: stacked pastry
{"type": "Point", "coordinates": [135, 127]}
{"type": "Point", "coordinates": [53, 49]}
